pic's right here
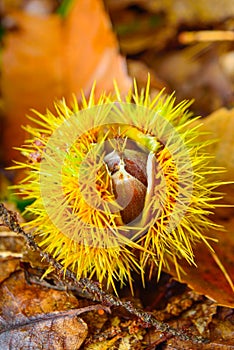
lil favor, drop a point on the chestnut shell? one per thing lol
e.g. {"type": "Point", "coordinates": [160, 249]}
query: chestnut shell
{"type": "Point", "coordinates": [129, 181]}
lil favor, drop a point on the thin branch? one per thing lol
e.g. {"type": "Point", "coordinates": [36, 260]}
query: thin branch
{"type": "Point", "coordinates": [9, 219]}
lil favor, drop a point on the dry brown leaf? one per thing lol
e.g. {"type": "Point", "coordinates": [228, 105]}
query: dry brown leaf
{"type": "Point", "coordinates": [48, 57]}
{"type": "Point", "coordinates": [207, 278]}
{"type": "Point", "coordinates": [7, 267]}
{"type": "Point", "coordinates": [23, 322]}
{"type": "Point", "coordinates": [220, 125]}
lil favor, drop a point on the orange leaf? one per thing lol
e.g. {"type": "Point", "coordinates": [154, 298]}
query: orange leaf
{"type": "Point", "coordinates": [49, 58]}
{"type": "Point", "coordinates": [31, 73]}
{"type": "Point", "coordinates": [207, 278]}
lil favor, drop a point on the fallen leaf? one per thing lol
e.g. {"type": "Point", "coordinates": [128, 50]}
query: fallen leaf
{"type": "Point", "coordinates": [220, 126]}
{"type": "Point", "coordinates": [207, 278]}
{"type": "Point", "coordinates": [7, 267]}
{"type": "Point", "coordinates": [47, 57]}
{"type": "Point", "coordinates": [24, 323]}
{"type": "Point", "coordinates": [91, 51]}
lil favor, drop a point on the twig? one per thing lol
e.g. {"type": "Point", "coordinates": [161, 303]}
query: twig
{"type": "Point", "coordinates": [9, 219]}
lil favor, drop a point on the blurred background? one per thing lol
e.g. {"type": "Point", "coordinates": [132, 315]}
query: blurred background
{"type": "Point", "coordinates": [52, 49]}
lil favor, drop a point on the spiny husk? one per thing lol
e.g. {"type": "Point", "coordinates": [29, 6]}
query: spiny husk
{"type": "Point", "coordinates": [120, 255]}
